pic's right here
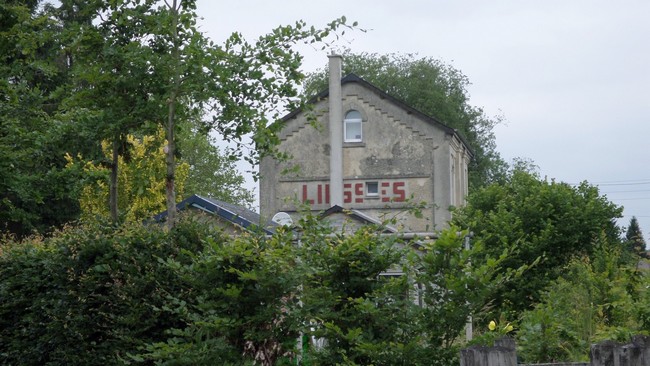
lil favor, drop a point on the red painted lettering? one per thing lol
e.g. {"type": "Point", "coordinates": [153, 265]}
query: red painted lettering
{"type": "Point", "coordinates": [358, 191]}
{"type": "Point", "coordinates": [305, 198]}
{"type": "Point", "coordinates": [327, 194]}
{"type": "Point", "coordinates": [399, 192]}
{"type": "Point", "coordinates": [320, 194]}
{"type": "Point", "coordinates": [347, 195]}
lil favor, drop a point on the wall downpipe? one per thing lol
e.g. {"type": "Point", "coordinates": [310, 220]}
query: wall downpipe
{"type": "Point", "coordinates": [336, 130]}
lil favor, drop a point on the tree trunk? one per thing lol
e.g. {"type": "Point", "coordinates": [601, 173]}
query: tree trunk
{"type": "Point", "coordinates": [171, 167]}
{"type": "Point", "coordinates": [112, 192]}
{"type": "Point", "coordinates": [171, 114]}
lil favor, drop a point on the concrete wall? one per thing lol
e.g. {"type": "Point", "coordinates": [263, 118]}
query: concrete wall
{"type": "Point", "coordinates": [406, 155]}
{"type": "Point", "coordinates": [607, 353]}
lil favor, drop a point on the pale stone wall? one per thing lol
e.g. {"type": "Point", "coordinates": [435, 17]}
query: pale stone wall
{"type": "Point", "coordinates": [408, 157]}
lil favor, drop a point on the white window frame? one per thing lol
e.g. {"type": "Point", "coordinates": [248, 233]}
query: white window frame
{"type": "Point", "coordinates": [352, 121]}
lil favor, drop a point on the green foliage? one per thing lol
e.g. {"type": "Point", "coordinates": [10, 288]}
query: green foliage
{"type": "Point", "coordinates": [359, 314]}
{"type": "Point", "coordinates": [35, 195]}
{"type": "Point", "coordinates": [243, 291]}
{"type": "Point", "coordinates": [634, 238]}
{"type": "Point", "coordinates": [141, 295]}
{"type": "Point", "coordinates": [595, 299]}
{"type": "Point", "coordinates": [87, 296]}
{"type": "Point", "coordinates": [212, 172]}
{"type": "Point", "coordinates": [459, 283]}
{"type": "Point", "coordinates": [534, 218]}
{"type": "Point", "coordinates": [436, 89]}
{"type": "Point", "coordinates": [75, 73]}
{"type": "Point", "coordinates": [416, 317]}
{"type": "Point", "coordinates": [141, 180]}
{"type": "Point", "coordinates": [643, 304]}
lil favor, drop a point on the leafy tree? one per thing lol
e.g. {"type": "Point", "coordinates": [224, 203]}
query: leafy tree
{"type": "Point", "coordinates": [248, 84]}
{"type": "Point", "coordinates": [349, 307]}
{"type": "Point", "coordinates": [244, 293]}
{"type": "Point", "coordinates": [634, 238]}
{"type": "Point", "coordinates": [35, 192]}
{"type": "Point", "coordinates": [436, 89]}
{"type": "Point", "coordinates": [361, 316]}
{"type": "Point", "coordinates": [77, 73]}
{"type": "Point", "coordinates": [145, 62]}
{"type": "Point", "coordinates": [116, 77]}
{"type": "Point", "coordinates": [212, 173]}
{"type": "Point", "coordinates": [537, 219]}
{"type": "Point", "coordinates": [595, 299]}
{"type": "Point", "coordinates": [141, 180]}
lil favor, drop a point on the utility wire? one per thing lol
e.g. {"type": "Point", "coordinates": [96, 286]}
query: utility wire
{"type": "Point", "coordinates": [616, 182]}
{"type": "Point", "coordinates": [639, 181]}
{"type": "Point", "coordinates": [630, 191]}
{"type": "Point", "coordinates": [631, 199]}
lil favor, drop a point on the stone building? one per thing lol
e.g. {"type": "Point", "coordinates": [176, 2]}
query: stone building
{"type": "Point", "coordinates": [358, 148]}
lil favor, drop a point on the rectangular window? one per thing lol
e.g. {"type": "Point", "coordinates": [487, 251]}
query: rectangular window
{"type": "Point", "coordinates": [372, 189]}
{"type": "Point", "coordinates": [353, 131]}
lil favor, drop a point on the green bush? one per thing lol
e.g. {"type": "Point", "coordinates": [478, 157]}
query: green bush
{"type": "Point", "coordinates": [100, 295]}
{"type": "Point", "coordinates": [597, 298]}
{"type": "Point", "coordinates": [88, 295]}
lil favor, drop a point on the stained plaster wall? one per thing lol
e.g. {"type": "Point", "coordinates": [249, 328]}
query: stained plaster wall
{"type": "Point", "coordinates": [409, 157]}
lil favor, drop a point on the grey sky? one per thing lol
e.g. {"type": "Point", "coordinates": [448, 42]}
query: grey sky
{"type": "Point", "coordinates": [571, 77]}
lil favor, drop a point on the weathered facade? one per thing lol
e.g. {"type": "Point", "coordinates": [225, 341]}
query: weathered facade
{"type": "Point", "coordinates": [360, 148]}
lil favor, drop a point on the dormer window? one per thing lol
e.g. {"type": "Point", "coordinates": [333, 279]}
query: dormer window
{"type": "Point", "coordinates": [352, 126]}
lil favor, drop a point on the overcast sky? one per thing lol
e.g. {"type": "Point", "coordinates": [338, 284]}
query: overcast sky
{"type": "Point", "coordinates": [570, 77]}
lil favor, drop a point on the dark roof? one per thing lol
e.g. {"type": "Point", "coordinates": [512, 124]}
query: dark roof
{"type": "Point", "coordinates": [236, 214]}
{"type": "Point", "coordinates": [353, 78]}
{"type": "Point", "coordinates": [357, 215]}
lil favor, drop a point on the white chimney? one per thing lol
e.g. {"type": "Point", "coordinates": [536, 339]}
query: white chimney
{"type": "Point", "coordinates": [336, 131]}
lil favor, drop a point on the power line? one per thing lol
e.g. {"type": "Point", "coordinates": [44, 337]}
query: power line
{"type": "Point", "coordinates": [616, 182]}
{"type": "Point", "coordinates": [622, 184]}
{"type": "Point", "coordinates": [629, 191]}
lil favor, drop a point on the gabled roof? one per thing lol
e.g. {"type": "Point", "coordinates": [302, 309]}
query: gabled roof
{"type": "Point", "coordinates": [238, 215]}
{"type": "Point", "coordinates": [357, 216]}
{"type": "Point", "coordinates": [353, 78]}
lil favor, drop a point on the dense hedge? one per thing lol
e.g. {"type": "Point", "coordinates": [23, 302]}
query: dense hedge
{"type": "Point", "coordinates": [140, 295]}
{"type": "Point", "coordinates": [89, 295]}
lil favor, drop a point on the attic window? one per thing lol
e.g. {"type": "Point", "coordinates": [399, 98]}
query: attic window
{"type": "Point", "coordinates": [352, 126]}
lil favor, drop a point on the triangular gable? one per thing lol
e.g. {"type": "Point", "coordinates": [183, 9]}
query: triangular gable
{"type": "Point", "coordinates": [353, 78]}
{"type": "Point", "coordinates": [351, 219]}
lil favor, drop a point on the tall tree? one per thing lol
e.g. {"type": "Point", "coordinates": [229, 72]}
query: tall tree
{"type": "Point", "coordinates": [35, 65]}
{"type": "Point", "coordinates": [115, 80]}
{"type": "Point", "coordinates": [436, 89]}
{"type": "Point", "coordinates": [212, 172]}
{"type": "Point", "coordinates": [78, 72]}
{"type": "Point", "coordinates": [141, 180]}
{"type": "Point", "coordinates": [155, 66]}
{"type": "Point", "coordinates": [201, 169]}
{"type": "Point", "coordinates": [244, 86]}
{"type": "Point", "coordinates": [634, 237]}
{"type": "Point", "coordinates": [537, 218]}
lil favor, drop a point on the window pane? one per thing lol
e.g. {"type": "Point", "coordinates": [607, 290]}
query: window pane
{"type": "Point", "coordinates": [353, 115]}
{"type": "Point", "coordinates": [352, 131]}
{"type": "Point", "coordinates": [372, 188]}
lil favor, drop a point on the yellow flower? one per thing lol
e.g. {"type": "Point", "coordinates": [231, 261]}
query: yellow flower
{"type": "Point", "coordinates": [492, 325]}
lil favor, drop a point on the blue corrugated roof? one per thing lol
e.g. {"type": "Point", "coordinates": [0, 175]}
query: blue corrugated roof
{"type": "Point", "coordinates": [236, 214]}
